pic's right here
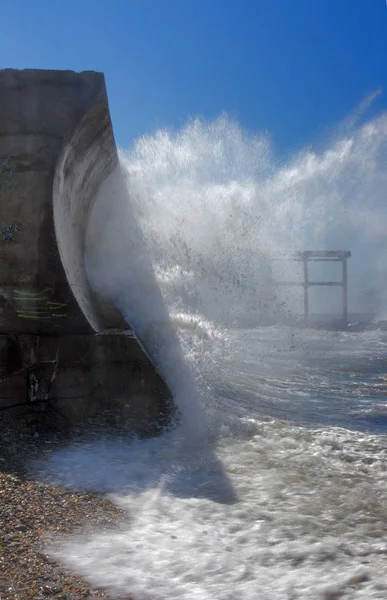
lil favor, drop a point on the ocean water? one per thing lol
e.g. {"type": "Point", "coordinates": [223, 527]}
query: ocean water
{"type": "Point", "coordinates": [273, 484]}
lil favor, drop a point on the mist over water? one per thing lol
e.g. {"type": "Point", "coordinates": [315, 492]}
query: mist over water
{"type": "Point", "coordinates": [273, 485]}
{"type": "Point", "coordinates": [215, 208]}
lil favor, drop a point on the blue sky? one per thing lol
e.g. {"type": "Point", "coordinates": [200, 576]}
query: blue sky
{"type": "Point", "coordinates": [293, 68]}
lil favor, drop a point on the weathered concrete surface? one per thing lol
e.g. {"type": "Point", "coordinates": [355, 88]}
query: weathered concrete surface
{"type": "Point", "coordinates": [103, 380]}
{"type": "Point", "coordinates": [56, 148]}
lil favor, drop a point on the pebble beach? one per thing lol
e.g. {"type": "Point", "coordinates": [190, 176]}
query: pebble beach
{"type": "Point", "coordinates": [34, 514]}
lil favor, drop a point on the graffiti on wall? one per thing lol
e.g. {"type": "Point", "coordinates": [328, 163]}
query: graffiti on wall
{"type": "Point", "coordinates": [38, 306]}
{"type": "Point", "coordinates": [9, 232]}
{"type": "Point", "coordinates": [7, 176]}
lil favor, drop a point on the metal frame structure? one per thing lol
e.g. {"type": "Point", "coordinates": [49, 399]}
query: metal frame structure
{"type": "Point", "coordinates": [321, 256]}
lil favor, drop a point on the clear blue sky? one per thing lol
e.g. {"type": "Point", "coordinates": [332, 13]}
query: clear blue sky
{"type": "Point", "coordinates": [294, 68]}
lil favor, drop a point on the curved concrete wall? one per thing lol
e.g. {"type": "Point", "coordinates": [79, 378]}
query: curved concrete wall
{"type": "Point", "coordinates": [57, 346]}
{"type": "Point", "coordinates": [87, 159]}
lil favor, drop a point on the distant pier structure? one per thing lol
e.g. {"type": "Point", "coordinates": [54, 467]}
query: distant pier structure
{"type": "Point", "coordinates": [308, 256]}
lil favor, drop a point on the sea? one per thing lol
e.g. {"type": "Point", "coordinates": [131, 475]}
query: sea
{"type": "Point", "coordinates": [272, 482]}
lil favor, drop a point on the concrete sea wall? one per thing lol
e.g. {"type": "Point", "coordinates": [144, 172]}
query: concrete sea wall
{"type": "Point", "coordinates": [63, 351]}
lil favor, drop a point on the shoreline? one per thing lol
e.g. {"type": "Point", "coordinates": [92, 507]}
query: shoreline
{"type": "Point", "coordinates": [32, 513]}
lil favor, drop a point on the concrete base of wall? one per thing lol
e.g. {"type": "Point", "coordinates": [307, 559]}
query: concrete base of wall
{"type": "Point", "coordinates": [99, 382]}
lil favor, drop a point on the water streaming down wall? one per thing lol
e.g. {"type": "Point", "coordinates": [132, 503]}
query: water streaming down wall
{"type": "Point", "coordinates": [63, 350]}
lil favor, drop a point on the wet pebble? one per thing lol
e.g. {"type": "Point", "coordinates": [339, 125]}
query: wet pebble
{"type": "Point", "coordinates": [51, 588]}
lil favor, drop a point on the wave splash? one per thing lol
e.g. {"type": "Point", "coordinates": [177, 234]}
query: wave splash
{"type": "Point", "coordinates": [182, 239]}
{"type": "Point", "coordinates": [216, 208]}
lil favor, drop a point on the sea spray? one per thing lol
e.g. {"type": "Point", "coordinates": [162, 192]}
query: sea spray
{"type": "Point", "coordinates": [289, 502]}
{"type": "Point", "coordinates": [118, 266]}
{"type": "Point", "coordinates": [216, 210]}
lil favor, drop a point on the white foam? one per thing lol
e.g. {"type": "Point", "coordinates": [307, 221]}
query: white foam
{"type": "Point", "coordinates": [310, 518]}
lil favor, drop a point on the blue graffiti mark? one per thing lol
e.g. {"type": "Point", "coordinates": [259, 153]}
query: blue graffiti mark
{"type": "Point", "coordinates": [9, 232]}
{"type": "Point", "coordinates": [8, 175]}
{"type": "Point", "coordinates": [7, 179]}
{"type": "Point", "coordinates": [5, 160]}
